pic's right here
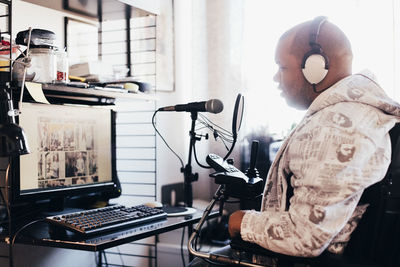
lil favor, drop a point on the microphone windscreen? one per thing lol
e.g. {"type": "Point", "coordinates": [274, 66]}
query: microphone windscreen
{"type": "Point", "coordinates": [214, 106]}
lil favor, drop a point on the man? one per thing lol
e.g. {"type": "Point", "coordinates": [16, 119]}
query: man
{"type": "Point", "coordinates": [341, 147]}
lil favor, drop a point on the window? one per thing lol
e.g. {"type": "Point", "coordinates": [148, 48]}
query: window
{"type": "Point", "coordinates": [369, 24]}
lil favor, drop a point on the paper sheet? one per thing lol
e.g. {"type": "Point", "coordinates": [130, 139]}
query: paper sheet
{"type": "Point", "coordinates": [36, 91]}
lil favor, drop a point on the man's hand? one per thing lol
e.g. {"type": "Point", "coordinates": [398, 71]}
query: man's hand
{"type": "Point", "coordinates": [235, 220]}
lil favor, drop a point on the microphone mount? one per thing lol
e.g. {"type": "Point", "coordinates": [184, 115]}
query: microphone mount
{"type": "Point", "coordinates": [188, 175]}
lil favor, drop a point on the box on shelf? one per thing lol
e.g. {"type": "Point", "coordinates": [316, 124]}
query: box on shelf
{"type": "Point", "coordinates": [85, 69]}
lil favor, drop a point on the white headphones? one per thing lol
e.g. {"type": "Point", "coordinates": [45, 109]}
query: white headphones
{"type": "Point", "coordinates": [315, 63]}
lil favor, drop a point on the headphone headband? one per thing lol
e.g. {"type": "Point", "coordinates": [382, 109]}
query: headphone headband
{"type": "Point", "coordinates": [314, 31]}
{"type": "Point", "coordinates": [315, 63]}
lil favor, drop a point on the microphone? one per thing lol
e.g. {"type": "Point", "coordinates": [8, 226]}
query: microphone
{"type": "Point", "coordinates": [212, 106]}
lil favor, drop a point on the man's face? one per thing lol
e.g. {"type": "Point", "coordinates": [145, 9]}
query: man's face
{"type": "Point", "coordinates": [346, 149]}
{"type": "Point", "coordinates": [345, 152]}
{"type": "Point", "coordinates": [289, 76]}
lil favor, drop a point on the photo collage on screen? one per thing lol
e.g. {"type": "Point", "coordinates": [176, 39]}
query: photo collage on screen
{"type": "Point", "coordinates": [67, 155]}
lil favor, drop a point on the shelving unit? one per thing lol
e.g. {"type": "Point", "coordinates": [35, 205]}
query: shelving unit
{"type": "Point", "coordinates": [136, 141]}
{"type": "Point", "coordinates": [5, 33]}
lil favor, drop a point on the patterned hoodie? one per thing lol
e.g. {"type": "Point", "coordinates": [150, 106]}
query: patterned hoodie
{"type": "Point", "coordinates": [341, 147]}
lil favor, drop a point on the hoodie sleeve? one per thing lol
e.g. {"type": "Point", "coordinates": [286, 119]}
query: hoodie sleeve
{"type": "Point", "coordinates": [328, 167]}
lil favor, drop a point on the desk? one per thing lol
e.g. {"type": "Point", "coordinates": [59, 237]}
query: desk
{"type": "Point", "coordinates": [42, 234]}
{"type": "Point", "coordinates": [39, 234]}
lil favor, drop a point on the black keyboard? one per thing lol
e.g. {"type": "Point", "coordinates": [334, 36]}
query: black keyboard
{"type": "Point", "coordinates": [100, 220]}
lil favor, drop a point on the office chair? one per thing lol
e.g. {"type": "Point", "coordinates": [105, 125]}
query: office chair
{"type": "Point", "coordinates": [375, 241]}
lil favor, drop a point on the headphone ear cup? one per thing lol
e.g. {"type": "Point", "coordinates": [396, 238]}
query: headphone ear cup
{"type": "Point", "coordinates": [314, 69]}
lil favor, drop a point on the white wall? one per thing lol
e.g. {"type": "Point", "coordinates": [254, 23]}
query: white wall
{"type": "Point", "coordinates": [27, 15]}
{"type": "Point", "coordinates": [216, 70]}
{"type": "Point", "coordinates": [175, 126]}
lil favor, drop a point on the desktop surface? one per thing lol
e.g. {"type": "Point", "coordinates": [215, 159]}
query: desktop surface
{"type": "Point", "coordinates": [44, 234]}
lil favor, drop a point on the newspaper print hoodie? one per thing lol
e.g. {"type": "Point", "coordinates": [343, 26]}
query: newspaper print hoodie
{"type": "Point", "coordinates": [341, 147]}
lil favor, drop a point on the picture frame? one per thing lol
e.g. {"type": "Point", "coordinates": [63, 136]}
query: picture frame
{"type": "Point", "coordinates": [81, 40]}
{"type": "Point", "coordinates": [83, 7]}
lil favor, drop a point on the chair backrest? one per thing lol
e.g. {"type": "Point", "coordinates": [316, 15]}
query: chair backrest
{"type": "Point", "coordinates": [377, 237]}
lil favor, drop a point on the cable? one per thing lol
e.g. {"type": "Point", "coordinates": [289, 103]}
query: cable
{"type": "Point", "coordinates": [223, 133]}
{"type": "Point", "coordinates": [230, 150]}
{"type": "Point", "coordinates": [182, 238]}
{"type": "Point", "coordinates": [197, 161]}
{"type": "Point", "coordinates": [11, 260]}
{"type": "Point", "coordinates": [208, 121]}
{"type": "Point", "coordinates": [162, 138]}
{"type": "Point", "coordinates": [223, 141]}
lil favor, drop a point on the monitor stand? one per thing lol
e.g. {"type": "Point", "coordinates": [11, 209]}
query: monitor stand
{"type": "Point", "coordinates": [56, 204]}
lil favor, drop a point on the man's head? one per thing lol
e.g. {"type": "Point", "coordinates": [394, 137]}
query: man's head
{"type": "Point", "coordinates": [292, 47]}
{"type": "Point", "coordinates": [317, 214]}
{"type": "Point", "coordinates": [345, 152]}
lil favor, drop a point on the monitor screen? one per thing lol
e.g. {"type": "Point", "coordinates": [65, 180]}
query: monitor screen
{"type": "Point", "coordinates": [72, 151]}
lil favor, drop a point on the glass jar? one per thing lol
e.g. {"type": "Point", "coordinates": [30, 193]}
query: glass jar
{"type": "Point", "coordinates": [43, 65]}
{"type": "Point", "coordinates": [62, 66]}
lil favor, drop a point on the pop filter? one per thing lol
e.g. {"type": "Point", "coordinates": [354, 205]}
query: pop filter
{"type": "Point", "coordinates": [236, 121]}
{"type": "Point", "coordinates": [237, 115]}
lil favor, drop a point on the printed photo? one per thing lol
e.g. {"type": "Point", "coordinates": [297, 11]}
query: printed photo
{"type": "Point", "coordinates": [43, 139]}
{"type": "Point", "coordinates": [79, 180]}
{"type": "Point", "coordinates": [75, 164]}
{"type": "Point", "coordinates": [52, 169]}
{"type": "Point", "coordinates": [69, 137]}
{"type": "Point", "coordinates": [56, 132]}
{"type": "Point", "coordinates": [40, 166]}
{"type": "Point", "coordinates": [92, 162]}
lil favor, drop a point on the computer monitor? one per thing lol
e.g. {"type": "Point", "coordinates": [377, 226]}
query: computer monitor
{"type": "Point", "coordinates": [73, 153]}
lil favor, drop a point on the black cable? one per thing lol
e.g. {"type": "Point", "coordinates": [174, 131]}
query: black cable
{"type": "Point", "coordinates": [223, 133]}
{"type": "Point", "coordinates": [223, 136]}
{"type": "Point", "coordinates": [11, 260]}
{"type": "Point", "coordinates": [226, 136]}
{"type": "Point", "coordinates": [223, 141]}
{"type": "Point", "coordinates": [231, 149]}
{"type": "Point", "coordinates": [162, 138]}
{"type": "Point", "coordinates": [182, 238]}
{"type": "Point", "coordinates": [197, 161]}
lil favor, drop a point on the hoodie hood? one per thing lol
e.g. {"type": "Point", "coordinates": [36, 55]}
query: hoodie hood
{"type": "Point", "coordinates": [358, 88]}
